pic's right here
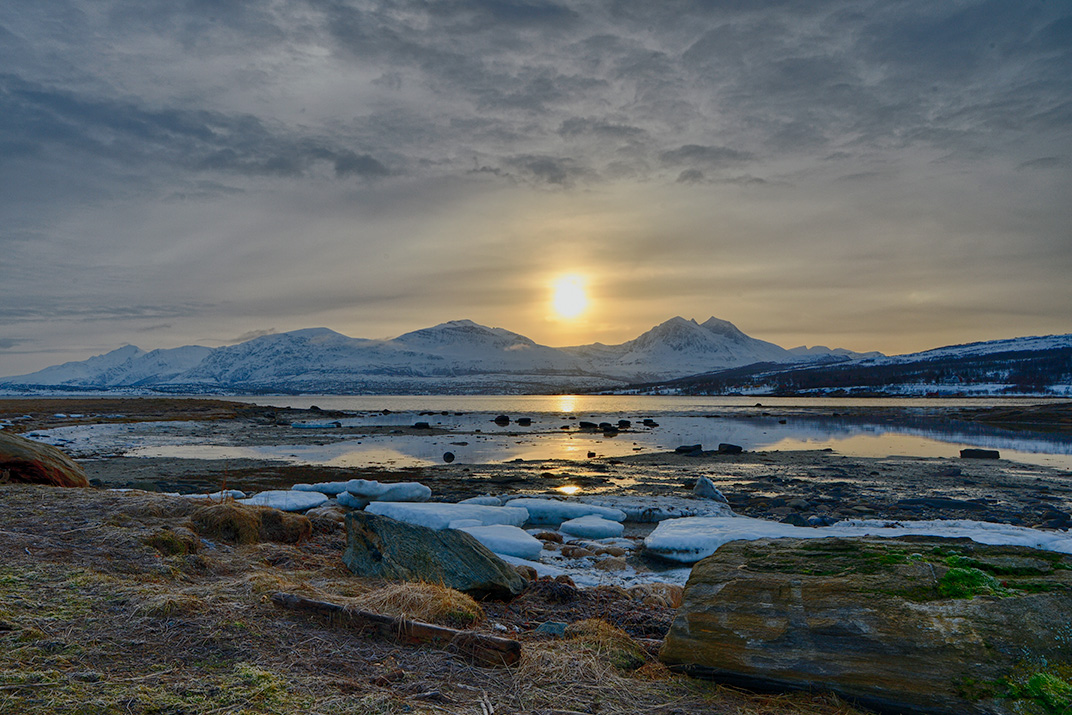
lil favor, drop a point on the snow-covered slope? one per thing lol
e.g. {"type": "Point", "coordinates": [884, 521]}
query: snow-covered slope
{"type": "Point", "coordinates": [127, 366]}
{"type": "Point", "coordinates": [680, 347]}
{"type": "Point", "coordinates": [459, 355]}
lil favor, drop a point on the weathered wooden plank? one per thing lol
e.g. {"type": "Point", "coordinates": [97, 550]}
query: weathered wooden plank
{"type": "Point", "coordinates": [480, 648]}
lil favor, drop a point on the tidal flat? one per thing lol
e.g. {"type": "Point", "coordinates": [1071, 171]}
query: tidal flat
{"type": "Point", "coordinates": [106, 608]}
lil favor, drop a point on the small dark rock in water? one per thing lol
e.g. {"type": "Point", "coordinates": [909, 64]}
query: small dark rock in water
{"type": "Point", "coordinates": [650, 423]}
{"type": "Point", "coordinates": [610, 432]}
{"type": "Point", "coordinates": [421, 425]}
{"type": "Point", "coordinates": [979, 454]}
{"type": "Point", "coordinates": [689, 448]}
{"type": "Point", "coordinates": [605, 426]}
{"type": "Point", "coordinates": [591, 455]}
{"type": "Point", "coordinates": [448, 457]}
{"type": "Point", "coordinates": [314, 408]}
{"type": "Point", "coordinates": [726, 448]}
{"type": "Point", "coordinates": [524, 421]}
{"type": "Point", "coordinates": [502, 420]}
{"type": "Point", "coordinates": [624, 424]}
{"type": "Point", "coordinates": [587, 425]}
{"type": "Point", "coordinates": [795, 520]}
{"type": "Point", "coordinates": [782, 422]}
{"type": "Point", "coordinates": [564, 427]}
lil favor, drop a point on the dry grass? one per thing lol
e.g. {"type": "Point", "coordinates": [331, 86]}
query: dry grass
{"type": "Point", "coordinates": [241, 524]}
{"type": "Point", "coordinates": [608, 642]}
{"type": "Point", "coordinates": [426, 602]}
{"type": "Point", "coordinates": [94, 620]}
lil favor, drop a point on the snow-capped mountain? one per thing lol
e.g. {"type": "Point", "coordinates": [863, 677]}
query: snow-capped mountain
{"type": "Point", "coordinates": [127, 366]}
{"type": "Point", "coordinates": [458, 355]}
{"type": "Point", "coordinates": [682, 347]}
{"type": "Point", "coordinates": [1028, 366]}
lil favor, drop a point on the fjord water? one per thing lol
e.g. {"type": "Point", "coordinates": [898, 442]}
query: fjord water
{"type": "Point", "coordinates": [878, 427]}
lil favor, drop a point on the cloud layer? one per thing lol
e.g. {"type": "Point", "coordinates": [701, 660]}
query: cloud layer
{"type": "Point", "coordinates": [876, 175]}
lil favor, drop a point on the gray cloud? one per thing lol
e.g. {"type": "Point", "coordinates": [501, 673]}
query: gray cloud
{"type": "Point", "coordinates": [162, 160]}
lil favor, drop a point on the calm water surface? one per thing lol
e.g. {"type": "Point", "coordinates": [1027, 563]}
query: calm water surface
{"type": "Point", "coordinates": [917, 427]}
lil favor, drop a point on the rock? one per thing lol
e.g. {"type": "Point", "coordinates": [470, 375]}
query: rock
{"type": "Point", "coordinates": [591, 455]}
{"type": "Point", "coordinates": [726, 448]}
{"type": "Point", "coordinates": [448, 457]}
{"type": "Point", "coordinates": [688, 448]}
{"type": "Point", "coordinates": [922, 624]}
{"type": "Point", "coordinates": [384, 548]}
{"type": "Point", "coordinates": [979, 454]}
{"type": "Point", "coordinates": [795, 519]}
{"type": "Point", "coordinates": [527, 572]}
{"type": "Point", "coordinates": [648, 422]}
{"type": "Point", "coordinates": [706, 489]}
{"type": "Point", "coordinates": [587, 425]}
{"type": "Point", "coordinates": [554, 629]}
{"type": "Point", "coordinates": [942, 503]}
{"type": "Point", "coordinates": [549, 536]}
{"type": "Point", "coordinates": [799, 504]}
{"type": "Point", "coordinates": [524, 421]}
{"type": "Point", "coordinates": [624, 424]}
{"type": "Point", "coordinates": [611, 563]}
{"type": "Point", "coordinates": [28, 462]}
{"type": "Point", "coordinates": [575, 552]}
{"type": "Point", "coordinates": [421, 425]}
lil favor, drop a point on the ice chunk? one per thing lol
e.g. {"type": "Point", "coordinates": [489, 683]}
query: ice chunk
{"type": "Point", "coordinates": [439, 516]}
{"type": "Point", "coordinates": [508, 540]}
{"type": "Point", "coordinates": [462, 523]}
{"type": "Point", "coordinates": [690, 539]}
{"type": "Point", "coordinates": [548, 511]}
{"type": "Point", "coordinates": [483, 501]}
{"type": "Point", "coordinates": [349, 500]}
{"type": "Point", "coordinates": [654, 509]}
{"type": "Point", "coordinates": [592, 527]}
{"type": "Point", "coordinates": [329, 488]}
{"type": "Point", "coordinates": [706, 489]}
{"type": "Point", "coordinates": [224, 494]}
{"type": "Point", "coordinates": [399, 491]}
{"type": "Point", "coordinates": [286, 500]}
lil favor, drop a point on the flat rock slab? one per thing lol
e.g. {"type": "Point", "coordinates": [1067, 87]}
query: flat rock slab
{"type": "Point", "coordinates": [918, 624]}
{"type": "Point", "coordinates": [382, 547]}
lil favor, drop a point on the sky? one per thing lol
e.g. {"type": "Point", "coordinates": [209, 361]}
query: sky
{"type": "Point", "coordinates": [887, 175]}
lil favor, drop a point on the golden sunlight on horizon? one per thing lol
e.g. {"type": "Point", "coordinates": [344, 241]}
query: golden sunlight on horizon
{"type": "Point", "coordinates": [569, 298]}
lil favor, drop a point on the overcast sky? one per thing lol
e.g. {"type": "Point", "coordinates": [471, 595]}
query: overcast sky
{"type": "Point", "coordinates": [888, 175]}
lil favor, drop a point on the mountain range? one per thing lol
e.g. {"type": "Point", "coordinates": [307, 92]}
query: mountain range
{"type": "Point", "coordinates": [457, 356]}
{"type": "Point", "coordinates": [464, 357]}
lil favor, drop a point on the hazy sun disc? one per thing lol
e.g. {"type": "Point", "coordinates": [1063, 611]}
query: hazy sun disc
{"type": "Point", "coordinates": [569, 298]}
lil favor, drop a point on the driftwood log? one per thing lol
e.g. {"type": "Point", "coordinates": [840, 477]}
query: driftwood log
{"type": "Point", "coordinates": [479, 648]}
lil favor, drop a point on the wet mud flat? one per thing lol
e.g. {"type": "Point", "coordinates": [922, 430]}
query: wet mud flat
{"type": "Point", "coordinates": [767, 484]}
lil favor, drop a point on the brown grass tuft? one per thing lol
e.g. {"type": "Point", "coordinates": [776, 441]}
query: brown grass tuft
{"type": "Point", "coordinates": [609, 642]}
{"type": "Point", "coordinates": [427, 602]}
{"type": "Point", "coordinates": [169, 604]}
{"type": "Point", "coordinates": [241, 524]}
{"type": "Point", "coordinates": [235, 523]}
{"type": "Point", "coordinates": [174, 542]}
{"type": "Point", "coordinates": [284, 527]}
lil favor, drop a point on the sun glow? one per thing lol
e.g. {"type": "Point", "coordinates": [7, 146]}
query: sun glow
{"type": "Point", "coordinates": [569, 298]}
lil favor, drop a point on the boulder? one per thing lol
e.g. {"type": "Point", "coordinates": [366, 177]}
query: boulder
{"type": "Point", "coordinates": [28, 462]}
{"type": "Point", "coordinates": [381, 547]}
{"type": "Point", "coordinates": [980, 454]}
{"type": "Point", "coordinates": [920, 624]}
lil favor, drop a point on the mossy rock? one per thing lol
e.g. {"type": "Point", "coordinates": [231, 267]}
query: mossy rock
{"type": "Point", "coordinates": [896, 624]}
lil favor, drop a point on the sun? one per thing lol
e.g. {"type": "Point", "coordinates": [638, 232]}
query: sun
{"type": "Point", "coordinates": [568, 296]}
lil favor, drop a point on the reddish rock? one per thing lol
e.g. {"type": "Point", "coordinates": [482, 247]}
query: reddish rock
{"type": "Point", "coordinates": [27, 462]}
